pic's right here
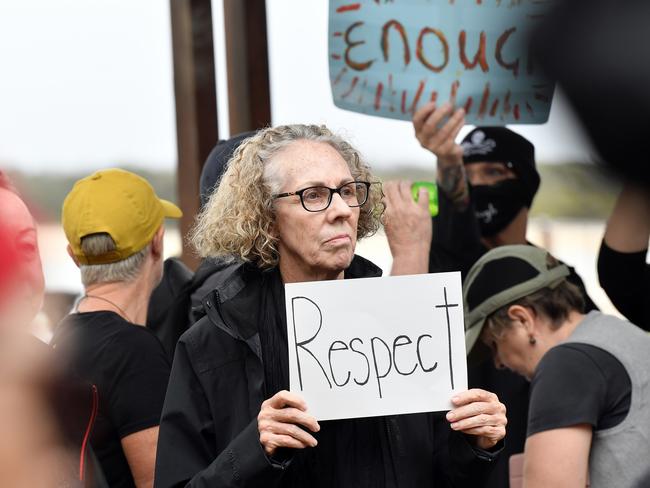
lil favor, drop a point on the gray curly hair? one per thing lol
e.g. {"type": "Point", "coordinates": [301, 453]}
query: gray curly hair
{"type": "Point", "coordinates": [237, 221]}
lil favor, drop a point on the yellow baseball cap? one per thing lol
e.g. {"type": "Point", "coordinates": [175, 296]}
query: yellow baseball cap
{"type": "Point", "coordinates": [119, 203]}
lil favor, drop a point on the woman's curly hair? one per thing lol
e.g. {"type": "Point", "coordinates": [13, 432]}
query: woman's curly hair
{"type": "Point", "coordinates": [237, 221]}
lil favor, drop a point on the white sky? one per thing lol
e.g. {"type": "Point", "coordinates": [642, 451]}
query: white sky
{"type": "Point", "coordinates": [88, 83]}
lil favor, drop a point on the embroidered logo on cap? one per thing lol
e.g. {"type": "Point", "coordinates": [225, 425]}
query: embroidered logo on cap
{"type": "Point", "coordinates": [478, 144]}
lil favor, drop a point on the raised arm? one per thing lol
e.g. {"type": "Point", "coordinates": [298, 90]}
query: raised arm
{"type": "Point", "coordinates": [440, 139]}
{"type": "Point", "coordinates": [628, 228]}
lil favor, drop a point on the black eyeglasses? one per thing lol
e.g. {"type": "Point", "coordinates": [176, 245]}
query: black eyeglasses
{"type": "Point", "coordinates": [318, 198]}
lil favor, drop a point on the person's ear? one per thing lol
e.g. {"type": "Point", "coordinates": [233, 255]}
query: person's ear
{"type": "Point", "coordinates": [71, 254]}
{"type": "Point", "coordinates": [157, 246]}
{"type": "Point", "coordinates": [524, 315]}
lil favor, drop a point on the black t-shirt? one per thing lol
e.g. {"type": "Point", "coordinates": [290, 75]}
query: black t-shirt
{"type": "Point", "coordinates": [128, 365]}
{"type": "Point", "coordinates": [575, 384]}
{"type": "Point", "coordinates": [625, 277]}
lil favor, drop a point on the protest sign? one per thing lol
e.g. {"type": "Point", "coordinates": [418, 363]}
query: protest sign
{"type": "Point", "coordinates": [376, 346]}
{"type": "Point", "coordinates": [389, 57]}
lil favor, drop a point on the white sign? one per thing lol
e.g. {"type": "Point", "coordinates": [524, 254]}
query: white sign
{"type": "Point", "coordinates": [376, 346]}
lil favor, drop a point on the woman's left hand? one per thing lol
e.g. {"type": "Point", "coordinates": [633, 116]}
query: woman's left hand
{"type": "Point", "coordinates": [481, 414]}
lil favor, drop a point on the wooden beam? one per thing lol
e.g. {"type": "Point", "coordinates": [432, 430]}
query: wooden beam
{"type": "Point", "coordinates": [196, 103]}
{"type": "Point", "coordinates": [247, 62]}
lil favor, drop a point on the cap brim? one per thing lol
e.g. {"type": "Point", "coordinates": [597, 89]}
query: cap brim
{"type": "Point", "coordinates": [471, 336]}
{"type": "Point", "coordinates": [170, 210]}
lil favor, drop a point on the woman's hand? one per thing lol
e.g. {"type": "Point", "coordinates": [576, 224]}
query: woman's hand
{"type": "Point", "coordinates": [481, 414]}
{"type": "Point", "coordinates": [279, 423]}
{"type": "Point", "coordinates": [408, 228]}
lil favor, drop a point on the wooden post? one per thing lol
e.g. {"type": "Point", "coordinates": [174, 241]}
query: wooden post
{"type": "Point", "coordinates": [196, 103]}
{"type": "Point", "coordinates": [247, 62]}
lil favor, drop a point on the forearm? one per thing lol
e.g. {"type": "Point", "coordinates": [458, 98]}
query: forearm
{"type": "Point", "coordinates": [453, 181]}
{"type": "Point", "coordinates": [628, 228]}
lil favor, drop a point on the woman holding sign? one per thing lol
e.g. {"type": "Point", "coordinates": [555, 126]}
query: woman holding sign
{"type": "Point", "coordinates": [290, 208]}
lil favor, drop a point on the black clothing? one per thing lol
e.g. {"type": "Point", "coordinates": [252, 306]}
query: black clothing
{"type": "Point", "coordinates": [167, 314]}
{"type": "Point", "coordinates": [208, 430]}
{"type": "Point", "coordinates": [597, 391]}
{"type": "Point", "coordinates": [176, 304]}
{"type": "Point", "coordinates": [456, 246]}
{"type": "Point", "coordinates": [625, 277]}
{"type": "Point", "coordinates": [496, 205]}
{"type": "Point", "coordinates": [129, 368]}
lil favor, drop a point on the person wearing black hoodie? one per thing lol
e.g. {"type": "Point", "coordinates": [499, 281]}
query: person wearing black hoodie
{"type": "Point", "coordinates": [176, 303]}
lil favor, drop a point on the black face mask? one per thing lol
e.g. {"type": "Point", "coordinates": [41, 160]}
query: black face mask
{"type": "Point", "coordinates": [497, 205]}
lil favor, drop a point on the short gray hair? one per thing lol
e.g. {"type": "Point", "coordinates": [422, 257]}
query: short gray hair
{"type": "Point", "coordinates": [124, 270]}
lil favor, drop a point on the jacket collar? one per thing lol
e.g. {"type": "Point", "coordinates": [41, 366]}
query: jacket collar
{"type": "Point", "coordinates": [233, 304]}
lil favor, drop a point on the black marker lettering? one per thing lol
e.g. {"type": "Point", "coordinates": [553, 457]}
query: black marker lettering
{"type": "Point", "coordinates": [435, 365]}
{"type": "Point", "coordinates": [401, 340]}
{"type": "Point", "coordinates": [374, 360]}
{"type": "Point", "coordinates": [364, 357]}
{"type": "Point", "coordinates": [329, 358]}
{"type": "Point", "coordinates": [301, 345]}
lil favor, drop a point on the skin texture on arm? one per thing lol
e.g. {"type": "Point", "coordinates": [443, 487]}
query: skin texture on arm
{"type": "Point", "coordinates": [408, 228]}
{"type": "Point", "coordinates": [440, 140]}
{"type": "Point", "coordinates": [140, 451]}
{"type": "Point", "coordinates": [628, 228]}
{"type": "Point", "coordinates": [558, 457]}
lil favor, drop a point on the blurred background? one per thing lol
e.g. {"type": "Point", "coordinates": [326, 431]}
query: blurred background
{"type": "Point", "coordinates": [89, 84]}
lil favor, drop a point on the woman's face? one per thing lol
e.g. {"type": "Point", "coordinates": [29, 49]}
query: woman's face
{"type": "Point", "coordinates": [313, 245]}
{"type": "Point", "coordinates": [512, 350]}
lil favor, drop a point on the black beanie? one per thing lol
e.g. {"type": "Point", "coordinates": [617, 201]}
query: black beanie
{"type": "Point", "coordinates": [215, 165]}
{"type": "Point", "coordinates": [499, 144]}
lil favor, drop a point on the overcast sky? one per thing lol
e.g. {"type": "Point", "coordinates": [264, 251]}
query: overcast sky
{"type": "Point", "coordinates": [88, 84]}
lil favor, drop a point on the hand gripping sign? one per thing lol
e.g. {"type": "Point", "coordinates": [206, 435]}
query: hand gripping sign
{"type": "Point", "coordinates": [376, 346]}
{"type": "Point", "coordinates": [389, 57]}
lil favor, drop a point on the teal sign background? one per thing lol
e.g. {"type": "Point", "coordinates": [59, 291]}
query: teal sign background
{"type": "Point", "coordinates": [389, 57]}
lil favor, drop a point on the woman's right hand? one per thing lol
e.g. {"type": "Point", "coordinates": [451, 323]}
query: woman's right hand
{"type": "Point", "coordinates": [279, 423]}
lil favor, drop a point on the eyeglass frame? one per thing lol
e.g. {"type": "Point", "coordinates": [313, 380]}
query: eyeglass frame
{"type": "Point", "coordinates": [331, 196]}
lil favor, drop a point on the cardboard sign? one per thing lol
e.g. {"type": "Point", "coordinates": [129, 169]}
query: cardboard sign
{"type": "Point", "coordinates": [389, 57]}
{"type": "Point", "coordinates": [376, 346]}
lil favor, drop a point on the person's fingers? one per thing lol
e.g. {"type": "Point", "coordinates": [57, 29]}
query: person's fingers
{"type": "Point", "coordinates": [271, 442]}
{"type": "Point", "coordinates": [449, 132]}
{"type": "Point", "coordinates": [285, 398]}
{"type": "Point", "coordinates": [295, 416]}
{"type": "Point", "coordinates": [405, 191]}
{"type": "Point", "coordinates": [474, 409]}
{"type": "Point", "coordinates": [490, 431]}
{"type": "Point", "coordinates": [430, 126]}
{"type": "Point", "coordinates": [473, 395]}
{"type": "Point", "coordinates": [422, 114]}
{"type": "Point", "coordinates": [423, 199]}
{"type": "Point", "coordinates": [292, 430]}
{"type": "Point", "coordinates": [482, 420]}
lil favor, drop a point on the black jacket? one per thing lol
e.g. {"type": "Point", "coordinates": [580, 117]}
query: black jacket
{"type": "Point", "coordinates": [208, 431]}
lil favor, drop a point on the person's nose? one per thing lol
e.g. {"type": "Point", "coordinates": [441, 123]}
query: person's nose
{"type": "Point", "coordinates": [338, 208]}
{"type": "Point", "coordinates": [474, 177]}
